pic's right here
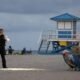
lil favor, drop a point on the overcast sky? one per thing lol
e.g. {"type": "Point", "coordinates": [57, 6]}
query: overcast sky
{"type": "Point", "coordinates": [34, 16]}
{"type": "Point", "coordinates": [39, 6]}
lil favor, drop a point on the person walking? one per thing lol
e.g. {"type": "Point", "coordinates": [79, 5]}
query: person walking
{"type": "Point", "coordinates": [2, 47]}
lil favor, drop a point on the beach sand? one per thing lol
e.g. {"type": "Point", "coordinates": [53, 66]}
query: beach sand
{"type": "Point", "coordinates": [37, 67]}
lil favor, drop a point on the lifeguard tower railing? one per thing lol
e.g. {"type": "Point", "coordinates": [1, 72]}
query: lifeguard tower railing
{"type": "Point", "coordinates": [51, 36]}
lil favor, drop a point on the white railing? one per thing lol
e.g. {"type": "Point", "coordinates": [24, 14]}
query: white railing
{"type": "Point", "coordinates": [54, 37]}
{"type": "Point", "coordinates": [50, 36]}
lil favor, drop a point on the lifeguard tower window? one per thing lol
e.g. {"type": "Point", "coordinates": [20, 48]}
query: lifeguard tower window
{"type": "Point", "coordinates": [64, 34]}
{"type": "Point", "coordinates": [65, 25]}
{"type": "Point", "coordinates": [60, 25]}
{"type": "Point", "coordinates": [68, 25]}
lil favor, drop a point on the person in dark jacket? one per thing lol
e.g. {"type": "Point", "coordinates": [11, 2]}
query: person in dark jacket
{"type": "Point", "coordinates": [23, 51]}
{"type": "Point", "coordinates": [2, 48]}
{"type": "Point", "coordinates": [10, 50]}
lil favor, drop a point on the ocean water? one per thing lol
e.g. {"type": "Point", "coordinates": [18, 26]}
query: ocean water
{"type": "Point", "coordinates": [33, 52]}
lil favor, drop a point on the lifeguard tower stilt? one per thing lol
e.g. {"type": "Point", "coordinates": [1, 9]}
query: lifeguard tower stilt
{"type": "Point", "coordinates": [65, 36]}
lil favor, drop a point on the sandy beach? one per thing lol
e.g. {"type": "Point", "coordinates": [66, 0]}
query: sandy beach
{"type": "Point", "coordinates": [37, 67]}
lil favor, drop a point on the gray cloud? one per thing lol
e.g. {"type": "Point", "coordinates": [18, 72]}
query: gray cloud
{"type": "Point", "coordinates": [37, 6]}
{"type": "Point", "coordinates": [27, 22]}
{"type": "Point", "coordinates": [30, 21]}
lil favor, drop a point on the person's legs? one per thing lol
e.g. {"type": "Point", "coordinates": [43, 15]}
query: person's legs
{"type": "Point", "coordinates": [3, 61]}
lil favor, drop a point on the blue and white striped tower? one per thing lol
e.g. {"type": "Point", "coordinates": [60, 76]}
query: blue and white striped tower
{"type": "Point", "coordinates": [65, 31]}
{"type": "Point", "coordinates": [66, 25]}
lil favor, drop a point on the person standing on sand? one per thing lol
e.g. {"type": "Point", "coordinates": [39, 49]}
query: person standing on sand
{"type": "Point", "coordinates": [3, 40]}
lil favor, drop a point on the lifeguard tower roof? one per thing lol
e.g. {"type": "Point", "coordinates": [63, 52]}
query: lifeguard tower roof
{"type": "Point", "coordinates": [65, 17]}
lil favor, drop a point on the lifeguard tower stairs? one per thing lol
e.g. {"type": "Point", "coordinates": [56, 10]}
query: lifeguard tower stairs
{"type": "Point", "coordinates": [65, 36]}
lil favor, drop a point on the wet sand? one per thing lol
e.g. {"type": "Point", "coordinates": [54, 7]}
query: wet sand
{"type": "Point", "coordinates": [37, 67]}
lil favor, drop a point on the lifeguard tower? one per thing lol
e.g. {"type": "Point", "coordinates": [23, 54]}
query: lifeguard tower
{"type": "Point", "coordinates": [65, 36]}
